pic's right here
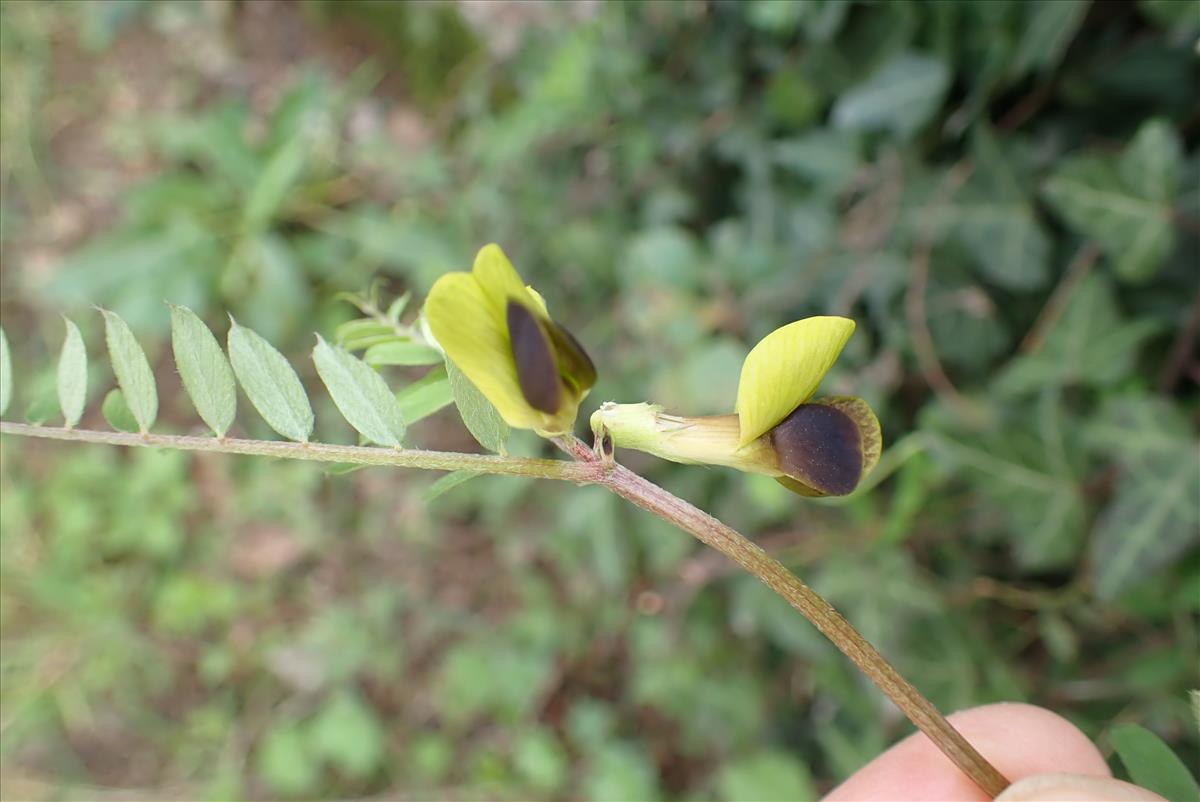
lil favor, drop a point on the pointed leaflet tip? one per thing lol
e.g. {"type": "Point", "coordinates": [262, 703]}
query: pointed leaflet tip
{"type": "Point", "coordinates": [361, 394]}
{"type": "Point", "coordinates": [72, 375]}
{"type": "Point", "coordinates": [6, 374]}
{"type": "Point", "coordinates": [132, 370]}
{"type": "Point", "coordinates": [204, 369]}
{"type": "Point", "coordinates": [271, 383]}
{"type": "Point", "coordinates": [481, 418]}
{"type": "Point", "coordinates": [784, 370]}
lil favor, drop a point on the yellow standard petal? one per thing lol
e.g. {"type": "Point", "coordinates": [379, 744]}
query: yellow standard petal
{"type": "Point", "coordinates": [472, 316]}
{"type": "Point", "coordinates": [500, 280]}
{"type": "Point", "coordinates": [785, 369]}
{"type": "Point", "coordinates": [470, 326]}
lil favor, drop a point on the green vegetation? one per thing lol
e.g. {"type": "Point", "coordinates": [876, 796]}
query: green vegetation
{"type": "Point", "coordinates": [1004, 195]}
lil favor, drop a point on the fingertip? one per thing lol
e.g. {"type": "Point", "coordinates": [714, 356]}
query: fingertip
{"type": "Point", "coordinates": [1075, 788]}
{"type": "Point", "coordinates": [1020, 740]}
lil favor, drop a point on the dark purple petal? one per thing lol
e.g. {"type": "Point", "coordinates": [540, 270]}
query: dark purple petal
{"type": "Point", "coordinates": [820, 446]}
{"type": "Point", "coordinates": [537, 370]}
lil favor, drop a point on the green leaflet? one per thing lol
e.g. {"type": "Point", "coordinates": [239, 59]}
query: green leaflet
{"type": "Point", "coordinates": [425, 396]}
{"type": "Point", "coordinates": [361, 394]}
{"type": "Point", "coordinates": [6, 374]}
{"type": "Point", "coordinates": [72, 375]}
{"type": "Point", "coordinates": [132, 369]}
{"type": "Point", "coordinates": [205, 371]}
{"type": "Point", "coordinates": [270, 383]}
{"type": "Point", "coordinates": [447, 483]}
{"type": "Point", "coordinates": [355, 335]}
{"type": "Point", "coordinates": [1152, 764]}
{"type": "Point", "coordinates": [482, 419]}
{"type": "Point", "coordinates": [401, 352]}
{"type": "Point", "coordinates": [42, 407]}
{"type": "Point", "coordinates": [117, 413]}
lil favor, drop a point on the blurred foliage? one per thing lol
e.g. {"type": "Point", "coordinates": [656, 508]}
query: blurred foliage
{"type": "Point", "coordinates": [1005, 195]}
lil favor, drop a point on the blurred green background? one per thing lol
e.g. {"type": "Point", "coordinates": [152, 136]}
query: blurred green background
{"type": "Point", "coordinates": [1005, 195]}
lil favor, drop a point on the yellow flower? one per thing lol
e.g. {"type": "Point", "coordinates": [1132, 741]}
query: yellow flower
{"type": "Point", "coordinates": [497, 331]}
{"type": "Point", "coordinates": [815, 448]}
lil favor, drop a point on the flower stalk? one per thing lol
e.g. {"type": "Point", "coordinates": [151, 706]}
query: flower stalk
{"type": "Point", "coordinates": [597, 467]}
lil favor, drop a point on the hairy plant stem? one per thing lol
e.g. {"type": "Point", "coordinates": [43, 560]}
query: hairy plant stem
{"type": "Point", "coordinates": [920, 711]}
{"type": "Point", "coordinates": [590, 468]}
{"type": "Point", "coordinates": [323, 452]}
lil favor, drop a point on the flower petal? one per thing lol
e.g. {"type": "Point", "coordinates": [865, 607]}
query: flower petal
{"type": "Point", "coordinates": [785, 369]}
{"type": "Point", "coordinates": [539, 302]}
{"type": "Point", "coordinates": [533, 353]}
{"type": "Point", "coordinates": [500, 281]}
{"type": "Point", "coordinates": [868, 427]}
{"type": "Point", "coordinates": [471, 328]}
{"type": "Point", "coordinates": [830, 453]}
{"type": "Point", "coordinates": [820, 446]}
{"type": "Point", "coordinates": [574, 365]}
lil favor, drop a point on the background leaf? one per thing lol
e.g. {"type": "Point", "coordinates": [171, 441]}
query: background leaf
{"type": "Point", "coordinates": [994, 220]}
{"type": "Point", "coordinates": [278, 176]}
{"type": "Point", "coordinates": [1091, 345]}
{"type": "Point", "coordinates": [361, 395]}
{"type": "Point", "coordinates": [767, 776]}
{"type": "Point", "coordinates": [1124, 204]}
{"type": "Point", "coordinates": [132, 369]}
{"type": "Point", "coordinates": [900, 97]}
{"type": "Point", "coordinates": [1048, 32]}
{"type": "Point", "coordinates": [72, 375]}
{"type": "Point", "coordinates": [205, 371]}
{"type": "Point", "coordinates": [284, 761]}
{"type": "Point", "coordinates": [482, 419]}
{"type": "Point", "coordinates": [1151, 763]}
{"type": "Point", "coordinates": [347, 734]}
{"type": "Point", "coordinates": [1152, 518]}
{"type": "Point", "coordinates": [270, 383]}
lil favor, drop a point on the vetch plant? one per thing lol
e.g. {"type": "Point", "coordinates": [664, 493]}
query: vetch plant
{"type": "Point", "coordinates": [508, 363]}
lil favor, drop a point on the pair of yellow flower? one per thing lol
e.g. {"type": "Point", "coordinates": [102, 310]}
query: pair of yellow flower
{"type": "Point", "coordinates": [498, 332]}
